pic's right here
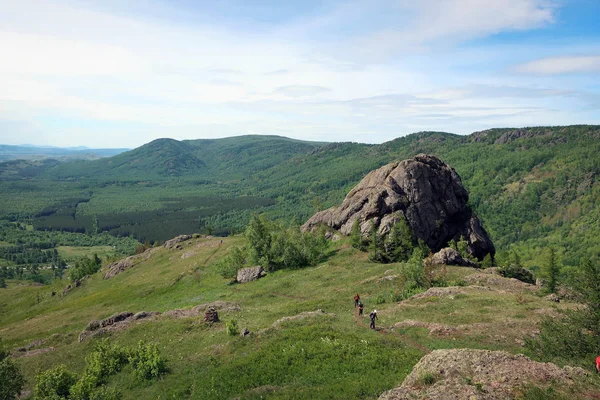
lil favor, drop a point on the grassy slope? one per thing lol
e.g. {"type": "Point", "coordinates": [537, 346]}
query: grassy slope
{"type": "Point", "coordinates": [324, 357]}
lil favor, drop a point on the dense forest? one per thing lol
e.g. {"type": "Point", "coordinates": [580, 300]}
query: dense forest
{"type": "Point", "coordinates": [534, 188]}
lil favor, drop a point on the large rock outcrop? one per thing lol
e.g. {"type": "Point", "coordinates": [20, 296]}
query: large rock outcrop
{"type": "Point", "coordinates": [479, 374]}
{"type": "Point", "coordinates": [425, 191]}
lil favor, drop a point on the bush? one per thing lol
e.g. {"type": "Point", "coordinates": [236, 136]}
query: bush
{"type": "Point", "coordinates": [11, 379]}
{"type": "Point", "coordinates": [232, 328]}
{"type": "Point", "coordinates": [54, 384]}
{"type": "Point", "coordinates": [577, 335]}
{"type": "Point", "coordinates": [146, 361]}
{"type": "Point", "coordinates": [379, 299]}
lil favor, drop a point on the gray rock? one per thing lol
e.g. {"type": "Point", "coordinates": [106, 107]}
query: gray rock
{"type": "Point", "coordinates": [169, 244]}
{"type": "Point", "coordinates": [553, 297]}
{"type": "Point", "coordinates": [449, 256]}
{"type": "Point", "coordinates": [425, 191]}
{"type": "Point", "coordinates": [249, 274]}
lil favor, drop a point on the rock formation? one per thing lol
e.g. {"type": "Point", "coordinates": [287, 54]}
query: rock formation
{"type": "Point", "coordinates": [478, 374]}
{"type": "Point", "coordinates": [449, 256]}
{"type": "Point", "coordinates": [249, 274]}
{"type": "Point", "coordinates": [425, 191]}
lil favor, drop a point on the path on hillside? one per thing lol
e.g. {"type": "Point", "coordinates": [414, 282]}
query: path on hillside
{"type": "Point", "coordinates": [386, 331]}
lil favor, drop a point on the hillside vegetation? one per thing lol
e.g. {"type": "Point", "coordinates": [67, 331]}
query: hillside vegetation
{"type": "Point", "coordinates": [306, 340]}
{"type": "Point", "coordinates": [533, 188]}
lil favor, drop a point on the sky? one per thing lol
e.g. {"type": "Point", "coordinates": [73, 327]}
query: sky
{"type": "Point", "coordinates": [115, 73]}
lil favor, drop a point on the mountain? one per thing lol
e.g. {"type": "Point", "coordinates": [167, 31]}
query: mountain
{"type": "Point", "coordinates": [533, 188]}
{"type": "Point", "coordinates": [231, 158]}
{"type": "Point", "coordinates": [32, 152]}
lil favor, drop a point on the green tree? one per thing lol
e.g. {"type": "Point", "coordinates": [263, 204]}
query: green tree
{"type": "Point", "coordinates": [376, 245]}
{"type": "Point", "coordinates": [551, 271]}
{"type": "Point", "coordinates": [400, 242]}
{"type": "Point", "coordinates": [259, 241]}
{"type": "Point", "coordinates": [576, 336]}
{"type": "Point", "coordinates": [2, 282]}
{"type": "Point", "coordinates": [11, 379]}
{"type": "Point", "coordinates": [356, 237]}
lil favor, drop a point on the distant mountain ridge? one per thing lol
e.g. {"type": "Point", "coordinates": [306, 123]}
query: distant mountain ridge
{"type": "Point", "coordinates": [33, 152]}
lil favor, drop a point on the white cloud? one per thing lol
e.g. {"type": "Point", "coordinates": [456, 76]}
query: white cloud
{"type": "Point", "coordinates": [301, 90]}
{"type": "Point", "coordinates": [561, 65]}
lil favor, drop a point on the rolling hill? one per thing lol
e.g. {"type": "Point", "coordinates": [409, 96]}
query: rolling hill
{"type": "Point", "coordinates": [533, 187]}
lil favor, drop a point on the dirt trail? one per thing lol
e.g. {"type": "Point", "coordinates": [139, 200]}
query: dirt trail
{"type": "Point", "coordinates": [385, 331]}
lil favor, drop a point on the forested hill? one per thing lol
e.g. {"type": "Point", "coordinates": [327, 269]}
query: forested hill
{"type": "Point", "coordinates": [228, 158]}
{"type": "Point", "coordinates": [533, 187]}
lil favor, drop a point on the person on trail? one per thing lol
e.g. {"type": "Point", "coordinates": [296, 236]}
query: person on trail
{"type": "Point", "coordinates": [373, 317]}
{"type": "Point", "coordinates": [360, 308]}
{"type": "Point", "coordinates": [356, 299]}
{"type": "Point", "coordinates": [598, 364]}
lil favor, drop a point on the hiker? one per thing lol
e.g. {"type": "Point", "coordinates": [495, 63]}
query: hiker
{"type": "Point", "coordinates": [598, 364]}
{"type": "Point", "coordinates": [360, 308]}
{"type": "Point", "coordinates": [373, 317]}
{"type": "Point", "coordinates": [356, 299]}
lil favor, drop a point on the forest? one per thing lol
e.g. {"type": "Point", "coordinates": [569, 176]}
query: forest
{"type": "Point", "coordinates": [533, 188]}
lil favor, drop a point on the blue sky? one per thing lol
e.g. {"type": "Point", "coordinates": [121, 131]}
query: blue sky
{"type": "Point", "coordinates": [119, 74]}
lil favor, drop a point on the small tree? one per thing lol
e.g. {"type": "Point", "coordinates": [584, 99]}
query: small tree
{"type": "Point", "coordinates": [577, 335]}
{"type": "Point", "coordinates": [356, 238]}
{"type": "Point", "coordinates": [376, 250]}
{"type": "Point", "coordinates": [551, 271]}
{"type": "Point", "coordinates": [400, 242]}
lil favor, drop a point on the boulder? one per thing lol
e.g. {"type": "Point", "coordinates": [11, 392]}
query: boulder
{"type": "Point", "coordinates": [249, 274]}
{"type": "Point", "coordinates": [450, 256]}
{"type": "Point", "coordinates": [425, 191]}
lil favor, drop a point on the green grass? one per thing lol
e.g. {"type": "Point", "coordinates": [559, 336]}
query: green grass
{"type": "Point", "coordinates": [73, 252]}
{"type": "Point", "coordinates": [334, 356]}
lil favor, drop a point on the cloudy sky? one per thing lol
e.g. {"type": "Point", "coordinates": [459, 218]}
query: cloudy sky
{"type": "Point", "coordinates": [115, 73]}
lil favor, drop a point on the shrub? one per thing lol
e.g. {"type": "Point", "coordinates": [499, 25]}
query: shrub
{"type": "Point", "coordinates": [146, 361]}
{"type": "Point", "coordinates": [54, 384]}
{"type": "Point", "coordinates": [11, 379]}
{"type": "Point", "coordinates": [232, 328]}
{"type": "Point", "coordinates": [577, 335]}
{"type": "Point", "coordinates": [379, 299]}
{"type": "Point", "coordinates": [427, 379]}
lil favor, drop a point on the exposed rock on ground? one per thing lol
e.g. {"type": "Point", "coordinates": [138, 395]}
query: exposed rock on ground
{"type": "Point", "coordinates": [498, 282]}
{"type": "Point", "coordinates": [122, 320]}
{"type": "Point", "coordinates": [425, 191]}
{"type": "Point", "coordinates": [201, 309]}
{"type": "Point", "coordinates": [115, 322]}
{"type": "Point", "coordinates": [169, 244]}
{"type": "Point", "coordinates": [306, 314]}
{"type": "Point", "coordinates": [477, 374]}
{"type": "Point", "coordinates": [249, 274]}
{"type": "Point", "coordinates": [449, 256]}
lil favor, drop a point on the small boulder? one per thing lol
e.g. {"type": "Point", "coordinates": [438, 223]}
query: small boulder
{"type": "Point", "coordinates": [211, 315]}
{"type": "Point", "coordinates": [249, 274]}
{"type": "Point", "coordinates": [92, 325]}
{"type": "Point", "coordinates": [450, 256]}
{"type": "Point", "coordinates": [245, 332]}
{"type": "Point", "coordinates": [553, 297]}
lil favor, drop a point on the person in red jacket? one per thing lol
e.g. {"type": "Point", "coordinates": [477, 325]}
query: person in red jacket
{"type": "Point", "coordinates": [598, 364]}
{"type": "Point", "coordinates": [356, 299]}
